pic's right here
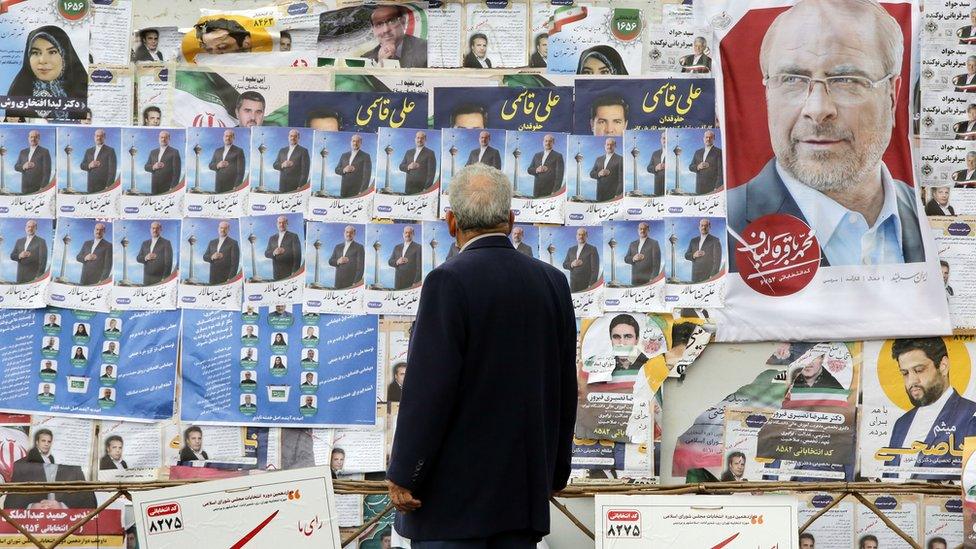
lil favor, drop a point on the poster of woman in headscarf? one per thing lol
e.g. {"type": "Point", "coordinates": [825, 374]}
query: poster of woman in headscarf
{"type": "Point", "coordinates": [595, 40]}
{"type": "Point", "coordinates": [44, 52]}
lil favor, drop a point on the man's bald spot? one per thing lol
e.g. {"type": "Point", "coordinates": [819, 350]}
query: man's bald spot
{"type": "Point", "coordinates": [817, 13]}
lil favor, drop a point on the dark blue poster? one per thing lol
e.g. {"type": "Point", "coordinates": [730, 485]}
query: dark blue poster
{"type": "Point", "coordinates": [356, 111]}
{"type": "Point", "coordinates": [276, 367]}
{"type": "Point", "coordinates": [78, 363]}
{"type": "Point", "coordinates": [524, 109]}
{"type": "Point", "coordinates": [608, 107]}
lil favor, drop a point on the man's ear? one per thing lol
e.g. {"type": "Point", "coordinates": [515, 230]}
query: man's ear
{"type": "Point", "coordinates": [511, 222]}
{"type": "Point", "coordinates": [895, 89]}
{"type": "Point", "coordinates": [451, 223]}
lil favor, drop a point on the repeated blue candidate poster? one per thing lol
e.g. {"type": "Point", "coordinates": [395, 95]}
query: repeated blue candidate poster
{"type": "Point", "coordinates": [609, 107]}
{"type": "Point", "coordinates": [277, 367]}
{"type": "Point", "coordinates": [522, 109]}
{"type": "Point", "coordinates": [356, 111]}
{"type": "Point", "coordinates": [84, 364]}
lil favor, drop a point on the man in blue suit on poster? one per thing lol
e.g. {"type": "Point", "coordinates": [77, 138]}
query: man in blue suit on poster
{"type": "Point", "coordinates": [940, 415]}
{"type": "Point", "coordinates": [479, 325]}
{"type": "Point", "coordinates": [831, 99]}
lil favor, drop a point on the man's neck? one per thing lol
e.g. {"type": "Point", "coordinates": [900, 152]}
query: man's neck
{"type": "Point", "coordinates": [463, 237]}
{"type": "Point", "coordinates": [866, 197]}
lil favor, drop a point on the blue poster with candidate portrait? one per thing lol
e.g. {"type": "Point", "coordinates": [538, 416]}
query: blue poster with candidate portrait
{"type": "Point", "coordinates": [610, 107]}
{"type": "Point", "coordinates": [83, 364]}
{"type": "Point", "coordinates": [356, 111]}
{"type": "Point", "coordinates": [278, 367]}
{"type": "Point", "coordinates": [526, 109]}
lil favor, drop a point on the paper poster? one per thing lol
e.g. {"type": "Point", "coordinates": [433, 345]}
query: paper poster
{"type": "Point", "coordinates": [393, 36]}
{"type": "Point", "coordinates": [605, 107]}
{"type": "Point", "coordinates": [575, 251]}
{"type": "Point", "coordinates": [697, 521]}
{"type": "Point", "coordinates": [946, 114]}
{"type": "Point", "coordinates": [277, 367]}
{"type": "Point", "coordinates": [153, 182]}
{"type": "Point", "coordinates": [508, 108]}
{"type": "Point", "coordinates": [394, 339]}
{"type": "Point", "coordinates": [633, 266]}
{"type": "Point", "coordinates": [219, 32]}
{"type": "Point", "coordinates": [445, 29]}
{"type": "Point", "coordinates": [677, 44]}
{"type": "Point", "coordinates": [105, 530]}
{"type": "Point", "coordinates": [110, 95]}
{"type": "Point", "coordinates": [495, 36]}
{"type": "Point", "coordinates": [88, 166]}
{"type": "Point", "coordinates": [27, 181]}
{"type": "Point", "coordinates": [26, 246]}
{"type": "Point", "coordinates": [210, 253]}
{"type": "Point", "coordinates": [344, 166]}
{"type": "Point", "coordinates": [588, 39]}
{"type": "Point", "coordinates": [357, 110]}
{"type": "Point", "coordinates": [539, 33]}
{"type": "Point", "coordinates": [238, 97]}
{"type": "Point", "coordinates": [903, 510]}
{"type": "Point", "coordinates": [408, 176]}
{"type": "Point", "coordinates": [154, 95]}
{"type": "Point", "coordinates": [394, 263]}
{"type": "Point", "coordinates": [699, 447]}
{"type": "Point", "coordinates": [948, 23]}
{"type": "Point", "coordinates": [280, 170]}
{"type": "Point", "coordinates": [957, 250]}
{"type": "Point", "coordinates": [55, 86]}
{"type": "Point", "coordinates": [948, 163]}
{"type": "Point", "coordinates": [947, 68]}
{"type": "Point", "coordinates": [156, 44]}
{"type": "Point", "coordinates": [146, 267]}
{"type": "Point", "coordinates": [645, 165]}
{"type": "Point", "coordinates": [217, 171]}
{"type": "Point", "coordinates": [278, 277]}
{"type": "Point", "coordinates": [464, 147]}
{"type": "Point", "coordinates": [598, 460]}
{"type": "Point", "coordinates": [695, 261]}
{"type": "Point", "coordinates": [191, 444]}
{"type": "Point", "coordinates": [834, 529]}
{"type": "Point", "coordinates": [595, 190]}
{"type": "Point", "coordinates": [535, 162]}
{"type": "Point", "coordinates": [64, 362]}
{"type": "Point", "coordinates": [895, 443]}
{"type": "Point", "coordinates": [335, 277]}
{"type": "Point", "coordinates": [111, 25]}
{"type": "Point", "coordinates": [82, 266]}
{"type": "Point", "coordinates": [787, 279]}
{"type": "Point", "coordinates": [129, 452]}
{"type": "Point", "coordinates": [362, 450]}
{"type": "Point", "coordinates": [942, 522]}
{"type": "Point", "coordinates": [693, 173]}
{"type": "Point", "coordinates": [616, 351]}
{"type": "Point", "coordinates": [812, 431]}
{"type": "Point", "coordinates": [376, 79]}
{"type": "Point", "coordinates": [172, 517]}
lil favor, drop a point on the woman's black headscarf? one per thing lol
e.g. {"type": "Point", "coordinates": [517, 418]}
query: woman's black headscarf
{"type": "Point", "coordinates": [607, 55]}
{"type": "Point", "coordinates": [71, 84]}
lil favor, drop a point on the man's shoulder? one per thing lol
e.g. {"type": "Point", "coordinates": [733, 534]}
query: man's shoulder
{"type": "Point", "coordinates": [761, 195]}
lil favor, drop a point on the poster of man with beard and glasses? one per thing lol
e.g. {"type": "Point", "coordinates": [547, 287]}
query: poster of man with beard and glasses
{"type": "Point", "coordinates": [918, 406]}
{"type": "Point", "coordinates": [824, 233]}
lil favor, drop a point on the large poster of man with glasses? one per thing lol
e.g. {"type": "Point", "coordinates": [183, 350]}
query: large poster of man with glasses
{"type": "Point", "coordinates": [821, 198]}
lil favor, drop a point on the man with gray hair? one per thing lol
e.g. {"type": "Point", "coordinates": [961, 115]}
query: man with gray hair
{"type": "Point", "coordinates": [966, 177]}
{"type": "Point", "coordinates": [832, 72]}
{"type": "Point", "coordinates": [486, 317]}
{"type": "Point", "coordinates": [966, 82]}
